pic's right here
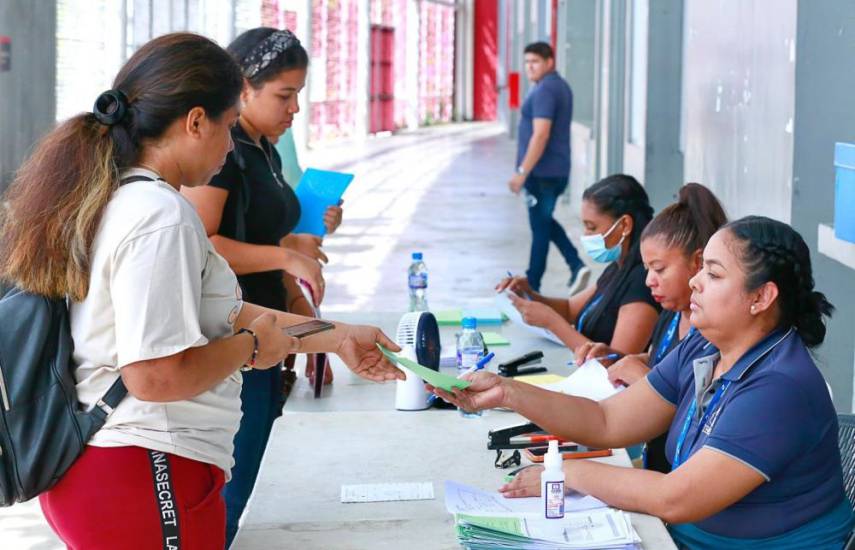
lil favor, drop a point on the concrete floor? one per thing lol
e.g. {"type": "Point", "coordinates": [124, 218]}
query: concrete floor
{"type": "Point", "coordinates": [441, 191]}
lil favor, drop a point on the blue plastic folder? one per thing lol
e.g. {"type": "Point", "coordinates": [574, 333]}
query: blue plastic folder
{"type": "Point", "coordinates": [317, 191]}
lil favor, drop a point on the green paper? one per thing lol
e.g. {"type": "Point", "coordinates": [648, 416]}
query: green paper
{"type": "Point", "coordinates": [510, 526]}
{"type": "Point", "coordinates": [432, 377]}
{"type": "Point", "coordinates": [485, 315]}
{"type": "Point", "coordinates": [495, 339]}
{"type": "Point", "coordinates": [448, 317]}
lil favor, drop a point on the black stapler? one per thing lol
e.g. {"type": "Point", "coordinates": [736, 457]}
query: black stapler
{"type": "Point", "coordinates": [512, 368]}
{"type": "Point", "coordinates": [499, 440]}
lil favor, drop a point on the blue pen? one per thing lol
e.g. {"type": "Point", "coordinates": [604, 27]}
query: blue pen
{"type": "Point", "coordinates": [609, 357]}
{"type": "Point", "coordinates": [478, 366]}
{"type": "Point", "coordinates": [484, 360]}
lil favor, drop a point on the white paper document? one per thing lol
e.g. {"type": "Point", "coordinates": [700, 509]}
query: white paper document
{"type": "Point", "coordinates": [463, 499]}
{"type": "Point", "coordinates": [386, 492]}
{"type": "Point", "coordinates": [586, 529]}
{"type": "Point", "coordinates": [591, 380]}
{"type": "Point", "coordinates": [507, 307]}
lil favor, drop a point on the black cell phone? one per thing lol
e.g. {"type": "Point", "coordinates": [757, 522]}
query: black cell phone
{"type": "Point", "coordinates": [308, 328]}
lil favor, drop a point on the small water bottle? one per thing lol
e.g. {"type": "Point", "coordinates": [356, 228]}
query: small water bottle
{"type": "Point", "coordinates": [470, 350]}
{"type": "Point", "coordinates": [530, 200]}
{"type": "Point", "coordinates": [418, 281]}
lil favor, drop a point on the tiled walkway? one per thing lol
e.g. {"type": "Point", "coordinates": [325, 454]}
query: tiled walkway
{"type": "Point", "coordinates": [441, 191]}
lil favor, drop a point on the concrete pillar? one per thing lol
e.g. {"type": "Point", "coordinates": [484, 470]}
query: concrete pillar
{"type": "Point", "coordinates": [824, 115]}
{"type": "Point", "coordinates": [28, 88]}
{"type": "Point", "coordinates": [363, 70]}
{"type": "Point", "coordinates": [464, 54]}
{"type": "Point", "coordinates": [663, 157]}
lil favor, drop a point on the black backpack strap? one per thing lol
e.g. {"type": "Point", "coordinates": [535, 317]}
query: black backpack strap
{"type": "Point", "coordinates": [105, 406]}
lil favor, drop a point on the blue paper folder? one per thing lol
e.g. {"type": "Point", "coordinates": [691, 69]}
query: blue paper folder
{"type": "Point", "coordinates": [317, 191]}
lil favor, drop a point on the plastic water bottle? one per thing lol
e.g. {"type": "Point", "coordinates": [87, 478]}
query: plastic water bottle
{"type": "Point", "coordinates": [470, 350]}
{"type": "Point", "coordinates": [530, 200]}
{"type": "Point", "coordinates": [418, 281]}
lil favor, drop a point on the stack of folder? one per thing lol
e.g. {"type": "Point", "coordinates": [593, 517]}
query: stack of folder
{"type": "Point", "coordinates": [603, 528]}
{"type": "Point", "coordinates": [488, 520]}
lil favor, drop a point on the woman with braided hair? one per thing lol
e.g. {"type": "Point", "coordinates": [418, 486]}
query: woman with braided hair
{"type": "Point", "coordinates": [752, 431]}
{"type": "Point", "coordinates": [619, 309]}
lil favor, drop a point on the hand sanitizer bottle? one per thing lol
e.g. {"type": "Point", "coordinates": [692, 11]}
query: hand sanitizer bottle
{"type": "Point", "coordinates": [552, 483]}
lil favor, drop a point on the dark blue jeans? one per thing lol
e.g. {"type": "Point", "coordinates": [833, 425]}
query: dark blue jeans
{"type": "Point", "coordinates": [544, 228]}
{"type": "Point", "coordinates": [261, 403]}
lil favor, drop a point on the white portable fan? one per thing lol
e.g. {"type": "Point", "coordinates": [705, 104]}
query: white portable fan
{"type": "Point", "coordinates": [418, 336]}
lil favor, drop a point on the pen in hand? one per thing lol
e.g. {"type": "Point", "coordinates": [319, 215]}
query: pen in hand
{"type": "Point", "coordinates": [609, 357]}
{"type": "Point", "coordinates": [526, 295]}
{"type": "Point", "coordinates": [479, 365]}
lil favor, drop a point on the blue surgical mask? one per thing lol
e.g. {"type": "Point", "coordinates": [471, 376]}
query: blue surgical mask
{"type": "Point", "coordinates": [595, 246]}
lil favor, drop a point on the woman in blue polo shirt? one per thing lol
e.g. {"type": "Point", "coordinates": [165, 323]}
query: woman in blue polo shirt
{"type": "Point", "coordinates": [753, 433]}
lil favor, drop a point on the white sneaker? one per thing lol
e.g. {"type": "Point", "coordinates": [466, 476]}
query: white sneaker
{"type": "Point", "coordinates": [579, 280]}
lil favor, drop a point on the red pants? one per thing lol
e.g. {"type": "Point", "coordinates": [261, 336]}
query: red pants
{"type": "Point", "coordinates": [133, 498]}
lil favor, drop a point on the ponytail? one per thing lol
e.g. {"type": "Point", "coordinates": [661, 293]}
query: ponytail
{"type": "Point", "coordinates": [54, 208]}
{"type": "Point", "coordinates": [772, 251]}
{"type": "Point", "coordinates": [57, 199]}
{"type": "Point", "coordinates": [690, 222]}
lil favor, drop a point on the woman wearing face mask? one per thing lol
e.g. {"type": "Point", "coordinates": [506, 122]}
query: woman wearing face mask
{"type": "Point", "coordinates": [619, 309]}
{"type": "Point", "coordinates": [250, 192]}
{"type": "Point", "coordinates": [752, 431]}
{"type": "Point", "coordinates": [95, 216]}
{"type": "Point", "coordinates": [671, 247]}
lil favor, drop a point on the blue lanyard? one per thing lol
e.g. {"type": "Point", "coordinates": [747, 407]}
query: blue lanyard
{"type": "Point", "coordinates": [587, 309]}
{"type": "Point", "coordinates": [666, 340]}
{"type": "Point", "coordinates": [678, 450]}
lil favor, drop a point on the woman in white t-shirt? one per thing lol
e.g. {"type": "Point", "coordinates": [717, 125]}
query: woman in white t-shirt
{"type": "Point", "coordinates": [95, 214]}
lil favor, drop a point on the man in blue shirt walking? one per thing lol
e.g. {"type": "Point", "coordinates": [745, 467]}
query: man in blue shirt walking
{"type": "Point", "coordinates": [543, 163]}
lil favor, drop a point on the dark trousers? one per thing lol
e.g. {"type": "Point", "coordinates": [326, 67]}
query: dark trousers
{"type": "Point", "coordinates": [544, 228]}
{"type": "Point", "coordinates": [261, 402]}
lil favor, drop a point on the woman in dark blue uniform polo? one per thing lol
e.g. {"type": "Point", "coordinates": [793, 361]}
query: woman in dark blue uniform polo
{"type": "Point", "coordinates": [752, 432]}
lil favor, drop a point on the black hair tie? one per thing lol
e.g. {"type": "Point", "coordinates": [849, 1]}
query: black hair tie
{"type": "Point", "coordinates": [110, 107]}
